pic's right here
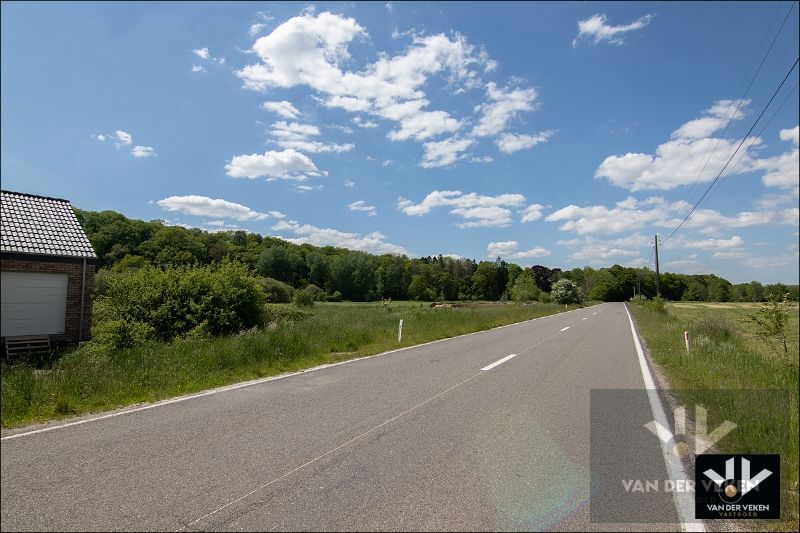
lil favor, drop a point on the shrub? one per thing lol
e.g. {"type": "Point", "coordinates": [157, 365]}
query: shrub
{"type": "Point", "coordinates": [545, 298]}
{"type": "Point", "coordinates": [118, 334]}
{"type": "Point", "coordinates": [715, 328]}
{"type": "Point", "coordinates": [316, 292]}
{"type": "Point", "coordinates": [277, 291]}
{"type": "Point", "coordinates": [656, 305]}
{"type": "Point", "coordinates": [304, 298]}
{"type": "Point", "coordinates": [335, 297]}
{"type": "Point", "coordinates": [219, 299]}
{"type": "Point", "coordinates": [282, 313]}
{"type": "Point", "coordinates": [564, 291]}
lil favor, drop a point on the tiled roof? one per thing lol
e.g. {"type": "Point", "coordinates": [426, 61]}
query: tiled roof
{"type": "Point", "coordinates": [31, 224]}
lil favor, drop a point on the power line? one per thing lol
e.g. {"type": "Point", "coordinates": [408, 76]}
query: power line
{"type": "Point", "coordinates": [741, 100]}
{"type": "Point", "coordinates": [734, 152]}
{"type": "Point", "coordinates": [753, 140]}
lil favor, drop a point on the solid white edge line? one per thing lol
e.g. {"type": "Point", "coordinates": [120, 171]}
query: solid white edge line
{"type": "Point", "coordinates": [226, 388]}
{"type": "Point", "coordinates": [564, 329]}
{"type": "Point", "coordinates": [498, 362]}
{"type": "Point", "coordinates": [683, 501]}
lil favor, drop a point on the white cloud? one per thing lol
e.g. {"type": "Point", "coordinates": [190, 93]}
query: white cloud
{"type": "Point", "coordinates": [143, 151]}
{"type": "Point", "coordinates": [361, 205]}
{"type": "Point", "coordinates": [203, 206]}
{"type": "Point", "coordinates": [202, 53]}
{"type": "Point", "coordinates": [282, 108]}
{"type": "Point", "coordinates": [481, 159]}
{"type": "Point", "coordinates": [374, 242]}
{"type": "Point", "coordinates": [532, 212]}
{"type": "Point", "coordinates": [715, 118]}
{"type": "Point", "coordinates": [443, 153]}
{"type": "Point", "coordinates": [123, 137]}
{"type": "Point", "coordinates": [783, 171]}
{"type": "Point", "coordinates": [772, 261]}
{"type": "Point", "coordinates": [678, 161]}
{"type": "Point", "coordinates": [198, 68]}
{"type": "Point", "coordinates": [367, 124]}
{"type": "Point", "coordinates": [477, 210]}
{"type": "Point", "coordinates": [630, 213]}
{"type": "Point", "coordinates": [508, 250]}
{"type": "Point", "coordinates": [510, 143]}
{"type": "Point", "coordinates": [349, 183]}
{"type": "Point", "coordinates": [312, 50]}
{"type": "Point", "coordinates": [710, 222]}
{"type": "Point", "coordinates": [295, 136]}
{"type": "Point", "coordinates": [288, 164]}
{"type": "Point", "coordinates": [505, 104]}
{"type": "Point", "coordinates": [256, 28]}
{"type": "Point", "coordinates": [100, 137]}
{"type": "Point", "coordinates": [682, 241]}
{"type": "Point", "coordinates": [599, 251]}
{"type": "Point", "coordinates": [596, 29]}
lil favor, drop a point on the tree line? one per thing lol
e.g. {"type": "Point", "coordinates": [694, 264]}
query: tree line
{"type": "Point", "coordinates": [337, 273]}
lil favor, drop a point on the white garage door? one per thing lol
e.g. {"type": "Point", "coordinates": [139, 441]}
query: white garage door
{"type": "Point", "coordinates": [32, 303]}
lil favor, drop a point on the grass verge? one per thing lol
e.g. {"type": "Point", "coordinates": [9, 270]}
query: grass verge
{"type": "Point", "coordinates": [92, 378]}
{"type": "Point", "coordinates": [727, 354]}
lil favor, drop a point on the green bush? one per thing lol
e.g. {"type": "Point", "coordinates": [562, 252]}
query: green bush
{"type": "Point", "coordinates": [281, 313]}
{"type": "Point", "coordinates": [656, 305]}
{"type": "Point", "coordinates": [118, 333]}
{"type": "Point", "coordinates": [544, 297]}
{"type": "Point", "coordinates": [316, 292]}
{"type": "Point", "coordinates": [335, 297]}
{"type": "Point", "coordinates": [304, 298]}
{"type": "Point", "coordinates": [218, 299]}
{"type": "Point", "coordinates": [277, 292]}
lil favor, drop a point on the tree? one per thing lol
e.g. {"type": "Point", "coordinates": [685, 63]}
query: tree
{"type": "Point", "coordinates": [525, 289]}
{"type": "Point", "coordinates": [566, 292]}
{"type": "Point", "coordinates": [280, 263]}
{"type": "Point", "coordinates": [418, 289]}
{"type": "Point", "coordinates": [353, 276]}
{"type": "Point", "coordinates": [772, 319]}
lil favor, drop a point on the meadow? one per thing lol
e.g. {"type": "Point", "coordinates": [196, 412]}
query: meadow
{"type": "Point", "coordinates": [728, 354]}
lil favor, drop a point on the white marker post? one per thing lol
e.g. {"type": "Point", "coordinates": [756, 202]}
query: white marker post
{"type": "Point", "coordinates": [400, 331]}
{"type": "Point", "coordinates": [687, 341]}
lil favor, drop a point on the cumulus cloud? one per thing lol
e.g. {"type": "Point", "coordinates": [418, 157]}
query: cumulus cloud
{"type": "Point", "coordinates": [596, 29]}
{"type": "Point", "coordinates": [288, 164]}
{"type": "Point", "coordinates": [123, 137]}
{"type": "Point", "coordinates": [508, 250]}
{"type": "Point", "coordinates": [198, 68]}
{"type": "Point", "coordinates": [682, 159]}
{"type": "Point", "coordinates": [361, 205]}
{"type": "Point", "coordinates": [312, 50]}
{"type": "Point", "coordinates": [297, 136]}
{"type": "Point", "coordinates": [682, 241]}
{"type": "Point", "coordinates": [283, 108]}
{"type": "Point", "coordinates": [202, 53]}
{"type": "Point", "coordinates": [510, 143]}
{"type": "Point", "coordinates": [476, 210]}
{"type": "Point", "coordinates": [503, 106]}
{"type": "Point", "coordinates": [783, 171]}
{"type": "Point", "coordinates": [203, 206]}
{"type": "Point", "coordinates": [349, 183]}
{"type": "Point", "coordinates": [597, 251]}
{"type": "Point", "coordinates": [366, 124]}
{"type": "Point", "coordinates": [532, 212]}
{"type": "Point", "coordinates": [143, 151]}
{"type": "Point", "coordinates": [444, 153]}
{"type": "Point", "coordinates": [599, 219]}
{"type": "Point", "coordinates": [374, 242]}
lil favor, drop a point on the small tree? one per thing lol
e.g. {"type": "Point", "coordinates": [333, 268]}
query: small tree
{"type": "Point", "coordinates": [772, 318]}
{"type": "Point", "coordinates": [304, 298]}
{"type": "Point", "coordinates": [565, 292]}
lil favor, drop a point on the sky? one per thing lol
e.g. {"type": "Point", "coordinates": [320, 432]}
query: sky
{"type": "Point", "coordinates": [562, 134]}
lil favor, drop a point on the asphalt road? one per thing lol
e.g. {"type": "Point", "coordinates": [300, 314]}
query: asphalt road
{"type": "Point", "coordinates": [418, 439]}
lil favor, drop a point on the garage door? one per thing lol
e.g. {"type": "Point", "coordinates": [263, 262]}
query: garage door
{"type": "Point", "coordinates": [32, 303]}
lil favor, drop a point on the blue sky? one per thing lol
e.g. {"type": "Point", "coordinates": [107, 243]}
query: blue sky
{"type": "Point", "coordinates": [546, 133]}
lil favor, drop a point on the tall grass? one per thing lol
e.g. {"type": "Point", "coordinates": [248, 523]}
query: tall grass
{"type": "Point", "coordinates": [726, 355]}
{"type": "Point", "coordinates": [92, 377]}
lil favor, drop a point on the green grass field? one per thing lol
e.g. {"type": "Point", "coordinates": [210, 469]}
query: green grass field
{"type": "Point", "coordinates": [91, 378]}
{"type": "Point", "coordinates": [727, 354]}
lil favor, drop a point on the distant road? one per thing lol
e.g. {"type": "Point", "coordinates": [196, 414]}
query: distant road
{"type": "Point", "coordinates": [488, 431]}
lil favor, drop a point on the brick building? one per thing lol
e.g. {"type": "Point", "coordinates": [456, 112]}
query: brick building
{"type": "Point", "coordinates": [47, 268]}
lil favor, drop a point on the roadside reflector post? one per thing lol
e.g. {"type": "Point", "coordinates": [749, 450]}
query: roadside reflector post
{"type": "Point", "coordinates": [687, 341]}
{"type": "Point", "coordinates": [400, 331]}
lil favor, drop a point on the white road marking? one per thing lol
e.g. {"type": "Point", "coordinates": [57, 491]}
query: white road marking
{"type": "Point", "coordinates": [226, 388]}
{"type": "Point", "coordinates": [684, 503]}
{"type": "Point", "coordinates": [594, 313]}
{"type": "Point", "coordinates": [498, 362]}
{"type": "Point", "coordinates": [565, 329]}
{"type": "Point", "coordinates": [585, 318]}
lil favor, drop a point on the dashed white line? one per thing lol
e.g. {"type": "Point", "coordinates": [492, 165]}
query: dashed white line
{"type": "Point", "coordinates": [565, 329]}
{"type": "Point", "coordinates": [498, 362]}
{"type": "Point", "coordinates": [585, 318]}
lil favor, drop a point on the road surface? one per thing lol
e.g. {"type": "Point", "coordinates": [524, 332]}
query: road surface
{"type": "Point", "coordinates": [451, 435]}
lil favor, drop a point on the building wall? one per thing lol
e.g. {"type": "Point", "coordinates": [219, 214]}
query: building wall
{"type": "Point", "coordinates": [74, 269]}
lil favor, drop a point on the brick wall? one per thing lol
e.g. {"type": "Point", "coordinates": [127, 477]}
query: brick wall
{"type": "Point", "coordinates": [74, 269]}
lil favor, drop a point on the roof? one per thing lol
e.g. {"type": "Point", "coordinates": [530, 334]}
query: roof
{"type": "Point", "coordinates": [39, 225]}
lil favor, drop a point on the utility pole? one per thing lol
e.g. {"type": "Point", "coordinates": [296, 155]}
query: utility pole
{"type": "Point", "coordinates": [658, 274]}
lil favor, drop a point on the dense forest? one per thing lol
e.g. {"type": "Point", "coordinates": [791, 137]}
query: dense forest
{"type": "Point", "coordinates": [336, 273]}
